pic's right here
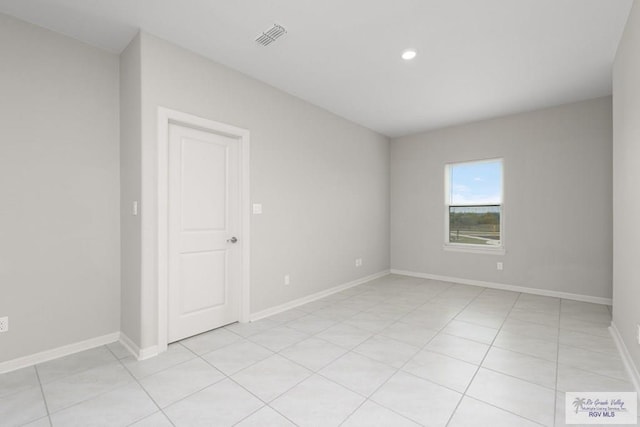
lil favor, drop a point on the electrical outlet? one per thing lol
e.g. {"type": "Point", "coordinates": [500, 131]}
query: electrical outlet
{"type": "Point", "coordinates": [499, 266]}
{"type": "Point", "coordinates": [358, 262]}
{"type": "Point", "coordinates": [287, 279]}
{"type": "Point", "coordinates": [4, 324]}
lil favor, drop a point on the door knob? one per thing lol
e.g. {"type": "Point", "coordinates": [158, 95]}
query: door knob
{"type": "Point", "coordinates": [232, 240]}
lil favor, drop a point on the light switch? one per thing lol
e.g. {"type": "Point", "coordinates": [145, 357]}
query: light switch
{"type": "Point", "coordinates": [257, 208]}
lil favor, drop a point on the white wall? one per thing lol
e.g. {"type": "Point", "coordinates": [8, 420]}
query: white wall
{"type": "Point", "coordinates": [626, 177]}
{"type": "Point", "coordinates": [59, 228]}
{"type": "Point", "coordinates": [323, 181]}
{"type": "Point", "coordinates": [557, 183]}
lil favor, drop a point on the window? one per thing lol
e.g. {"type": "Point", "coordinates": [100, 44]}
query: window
{"type": "Point", "coordinates": [473, 205]}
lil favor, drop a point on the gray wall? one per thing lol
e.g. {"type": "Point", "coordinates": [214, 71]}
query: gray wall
{"type": "Point", "coordinates": [557, 201]}
{"type": "Point", "coordinates": [626, 176]}
{"type": "Point", "coordinates": [59, 228]}
{"type": "Point", "coordinates": [323, 181]}
{"type": "Point", "coordinates": [130, 178]}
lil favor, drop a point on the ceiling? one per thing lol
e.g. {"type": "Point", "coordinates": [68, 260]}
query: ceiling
{"type": "Point", "coordinates": [476, 58]}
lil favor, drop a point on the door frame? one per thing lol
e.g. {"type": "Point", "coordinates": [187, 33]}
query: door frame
{"type": "Point", "coordinates": [166, 117]}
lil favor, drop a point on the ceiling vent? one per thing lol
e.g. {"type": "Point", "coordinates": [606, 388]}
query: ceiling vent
{"type": "Point", "coordinates": [271, 35]}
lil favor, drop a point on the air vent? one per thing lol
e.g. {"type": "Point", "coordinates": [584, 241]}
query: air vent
{"type": "Point", "coordinates": [271, 35]}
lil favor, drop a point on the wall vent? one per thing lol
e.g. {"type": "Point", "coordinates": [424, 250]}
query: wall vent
{"type": "Point", "coordinates": [271, 35]}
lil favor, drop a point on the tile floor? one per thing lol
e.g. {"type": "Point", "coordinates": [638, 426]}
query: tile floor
{"type": "Point", "coordinates": [396, 351]}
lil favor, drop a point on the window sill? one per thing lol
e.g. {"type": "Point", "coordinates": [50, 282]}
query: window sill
{"type": "Point", "coordinates": [475, 249]}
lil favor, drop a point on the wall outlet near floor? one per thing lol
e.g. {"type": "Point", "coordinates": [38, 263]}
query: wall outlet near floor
{"type": "Point", "coordinates": [4, 324]}
{"type": "Point", "coordinates": [287, 279]}
{"type": "Point", "coordinates": [358, 262]}
{"type": "Point", "coordinates": [499, 266]}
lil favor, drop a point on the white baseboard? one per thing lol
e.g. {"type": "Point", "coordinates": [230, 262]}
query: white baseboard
{"type": "Point", "coordinates": [145, 353]}
{"type": "Point", "coordinates": [535, 291]}
{"type": "Point", "coordinates": [631, 368]}
{"type": "Point", "coordinates": [137, 352]}
{"type": "Point", "coordinates": [313, 297]}
{"type": "Point", "coordinates": [45, 356]}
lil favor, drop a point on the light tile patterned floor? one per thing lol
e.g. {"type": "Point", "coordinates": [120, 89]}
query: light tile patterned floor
{"type": "Point", "coordinates": [396, 351]}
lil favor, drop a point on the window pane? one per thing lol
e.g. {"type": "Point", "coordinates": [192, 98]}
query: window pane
{"type": "Point", "coordinates": [476, 225]}
{"type": "Point", "coordinates": [476, 183]}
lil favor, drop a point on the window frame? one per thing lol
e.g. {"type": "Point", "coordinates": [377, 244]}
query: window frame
{"type": "Point", "coordinates": [470, 247]}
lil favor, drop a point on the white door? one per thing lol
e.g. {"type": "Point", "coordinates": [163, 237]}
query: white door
{"type": "Point", "coordinates": [204, 222]}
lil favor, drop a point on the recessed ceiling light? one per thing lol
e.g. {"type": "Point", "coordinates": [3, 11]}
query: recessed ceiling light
{"type": "Point", "coordinates": [409, 54]}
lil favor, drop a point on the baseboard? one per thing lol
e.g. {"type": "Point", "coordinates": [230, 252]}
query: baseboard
{"type": "Point", "coordinates": [146, 353]}
{"type": "Point", "coordinates": [66, 350]}
{"type": "Point", "coordinates": [137, 352]}
{"type": "Point", "coordinates": [313, 297]}
{"type": "Point", "coordinates": [631, 368]}
{"type": "Point", "coordinates": [504, 287]}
